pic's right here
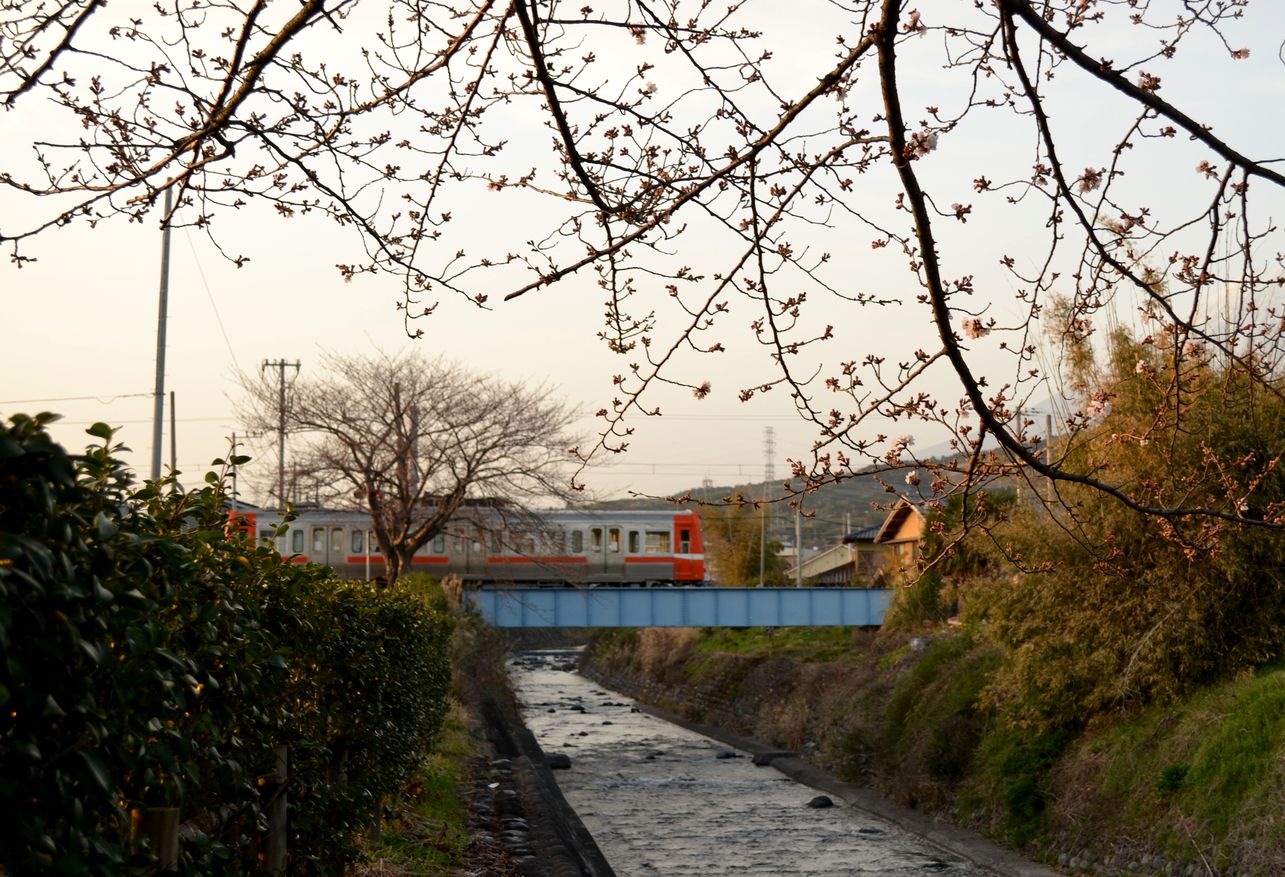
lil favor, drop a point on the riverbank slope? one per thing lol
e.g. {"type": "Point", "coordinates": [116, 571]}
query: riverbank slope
{"type": "Point", "coordinates": [1193, 788]}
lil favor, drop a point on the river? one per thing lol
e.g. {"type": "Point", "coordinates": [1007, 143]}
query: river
{"type": "Point", "coordinates": [662, 800]}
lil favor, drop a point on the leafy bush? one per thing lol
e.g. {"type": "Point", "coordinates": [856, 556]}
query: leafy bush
{"type": "Point", "coordinates": [152, 656]}
{"type": "Point", "coordinates": [917, 602]}
{"type": "Point", "coordinates": [933, 717]}
{"type": "Point", "coordinates": [1118, 609]}
{"type": "Point", "coordinates": [1013, 766]}
{"type": "Point", "coordinates": [367, 693]}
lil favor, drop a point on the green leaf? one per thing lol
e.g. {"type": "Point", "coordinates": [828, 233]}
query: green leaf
{"type": "Point", "coordinates": [105, 527]}
{"type": "Point", "coordinates": [100, 430]}
{"type": "Point", "coordinates": [97, 770]}
{"type": "Point", "coordinates": [93, 649]}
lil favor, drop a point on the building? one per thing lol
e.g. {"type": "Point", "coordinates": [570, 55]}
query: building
{"type": "Point", "coordinates": [902, 532]}
{"type": "Point", "coordinates": [868, 557]}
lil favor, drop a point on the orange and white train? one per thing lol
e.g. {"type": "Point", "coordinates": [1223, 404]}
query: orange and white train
{"type": "Point", "coordinates": [555, 548]}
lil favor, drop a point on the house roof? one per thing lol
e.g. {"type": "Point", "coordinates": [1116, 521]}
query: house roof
{"type": "Point", "coordinates": [892, 524]}
{"type": "Point", "coordinates": [863, 534]}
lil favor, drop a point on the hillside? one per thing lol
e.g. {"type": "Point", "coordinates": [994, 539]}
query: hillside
{"type": "Point", "coordinates": [858, 502]}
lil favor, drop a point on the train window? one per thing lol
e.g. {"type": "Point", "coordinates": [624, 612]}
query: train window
{"type": "Point", "coordinates": [657, 542]}
{"type": "Point", "coordinates": [595, 538]}
{"type": "Point", "coordinates": [495, 542]}
{"type": "Point", "coordinates": [439, 544]}
{"type": "Point", "coordinates": [634, 541]}
{"type": "Point", "coordinates": [684, 541]}
{"type": "Point", "coordinates": [296, 541]}
{"type": "Point", "coordinates": [613, 539]}
{"type": "Point", "coordinates": [577, 542]}
{"type": "Point", "coordinates": [358, 542]}
{"type": "Point", "coordinates": [337, 540]}
{"type": "Point", "coordinates": [318, 540]}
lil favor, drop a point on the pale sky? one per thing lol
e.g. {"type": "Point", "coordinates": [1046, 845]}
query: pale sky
{"type": "Point", "coordinates": [79, 325]}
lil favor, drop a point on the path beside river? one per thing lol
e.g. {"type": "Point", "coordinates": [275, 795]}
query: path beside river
{"type": "Point", "coordinates": [662, 800]}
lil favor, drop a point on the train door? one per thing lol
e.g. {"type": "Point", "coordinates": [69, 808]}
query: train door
{"type": "Point", "coordinates": [613, 567]}
{"type": "Point", "coordinates": [474, 556]}
{"type": "Point", "coordinates": [317, 545]}
{"type": "Point", "coordinates": [328, 546]}
{"type": "Point", "coordinates": [597, 552]}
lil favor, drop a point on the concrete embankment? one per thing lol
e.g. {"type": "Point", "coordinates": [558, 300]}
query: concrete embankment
{"type": "Point", "coordinates": [517, 800]}
{"type": "Point", "coordinates": [520, 821]}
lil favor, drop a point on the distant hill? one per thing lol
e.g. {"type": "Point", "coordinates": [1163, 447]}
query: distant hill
{"type": "Point", "coordinates": [860, 501]}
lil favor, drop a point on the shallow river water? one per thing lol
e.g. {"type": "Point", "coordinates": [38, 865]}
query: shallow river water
{"type": "Point", "coordinates": [662, 800]}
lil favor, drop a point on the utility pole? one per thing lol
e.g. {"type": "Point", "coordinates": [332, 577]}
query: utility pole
{"type": "Point", "coordinates": [158, 404]}
{"type": "Point", "coordinates": [1048, 452]}
{"type": "Point", "coordinates": [281, 365]}
{"type": "Point", "coordinates": [232, 457]}
{"type": "Point", "coordinates": [173, 435]}
{"type": "Point", "coordinates": [769, 475]}
{"type": "Point", "coordinates": [798, 544]}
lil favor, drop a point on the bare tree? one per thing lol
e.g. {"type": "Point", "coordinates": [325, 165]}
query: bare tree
{"type": "Point", "coordinates": [414, 440]}
{"type": "Point", "coordinates": [710, 172]}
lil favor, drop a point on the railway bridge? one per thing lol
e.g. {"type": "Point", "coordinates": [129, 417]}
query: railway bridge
{"type": "Point", "coordinates": [681, 607]}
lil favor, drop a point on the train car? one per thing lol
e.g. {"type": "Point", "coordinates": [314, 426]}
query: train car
{"type": "Point", "coordinates": [485, 545]}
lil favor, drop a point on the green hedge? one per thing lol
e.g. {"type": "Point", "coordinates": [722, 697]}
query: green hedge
{"type": "Point", "coordinates": [150, 656]}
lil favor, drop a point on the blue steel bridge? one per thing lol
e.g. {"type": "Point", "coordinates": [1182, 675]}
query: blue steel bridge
{"type": "Point", "coordinates": [681, 607]}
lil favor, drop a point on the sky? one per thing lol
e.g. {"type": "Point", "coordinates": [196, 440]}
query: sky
{"type": "Point", "coordinates": [79, 331]}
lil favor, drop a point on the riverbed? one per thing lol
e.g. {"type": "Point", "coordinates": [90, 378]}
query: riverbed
{"type": "Point", "coordinates": [662, 800]}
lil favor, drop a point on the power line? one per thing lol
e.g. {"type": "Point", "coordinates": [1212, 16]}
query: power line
{"type": "Point", "coordinates": [104, 400]}
{"type": "Point", "coordinates": [217, 316]}
{"type": "Point", "coordinates": [148, 420]}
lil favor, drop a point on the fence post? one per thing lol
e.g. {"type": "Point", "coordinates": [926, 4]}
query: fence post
{"type": "Point", "coordinates": [160, 825]}
{"type": "Point", "coordinates": [277, 847]}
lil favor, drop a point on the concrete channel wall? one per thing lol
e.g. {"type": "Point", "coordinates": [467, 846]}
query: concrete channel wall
{"type": "Point", "coordinates": [518, 788]}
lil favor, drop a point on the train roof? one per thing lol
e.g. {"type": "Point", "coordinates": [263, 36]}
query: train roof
{"type": "Point", "coordinates": [589, 515]}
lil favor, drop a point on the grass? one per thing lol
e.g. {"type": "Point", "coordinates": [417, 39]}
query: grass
{"type": "Point", "coordinates": [807, 644]}
{"type": "Point", "coordinates": [429, 832]}
{"type": "Point", "coordinates": [1210, 765]}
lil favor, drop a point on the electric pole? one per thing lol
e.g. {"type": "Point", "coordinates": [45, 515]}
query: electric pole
{"type": "Point", "coordinates": [158, 406]}
{"type": "Point", "coordinates": [281, 365]}
{"type": "Point", "coordinates": [769, 475]}
{"type": "Point", "coordinates": [798, 543]}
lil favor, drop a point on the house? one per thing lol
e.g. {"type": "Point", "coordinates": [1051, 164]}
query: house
{"type": "Point", "coordinates": [868, 556]}
{"type": "Point", "coordinates": [902, 531]}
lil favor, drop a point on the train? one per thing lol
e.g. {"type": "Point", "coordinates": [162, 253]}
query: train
{"type": "Point", "coordinates": [561, 547]}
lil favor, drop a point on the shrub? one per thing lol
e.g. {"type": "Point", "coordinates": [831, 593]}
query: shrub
{"type": "Point", "coordinates": [152, 656]}
{"type": "Point", "coordinates": [1118, 609]}
{"type": "Point", "coordinates": [1013, 766]}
